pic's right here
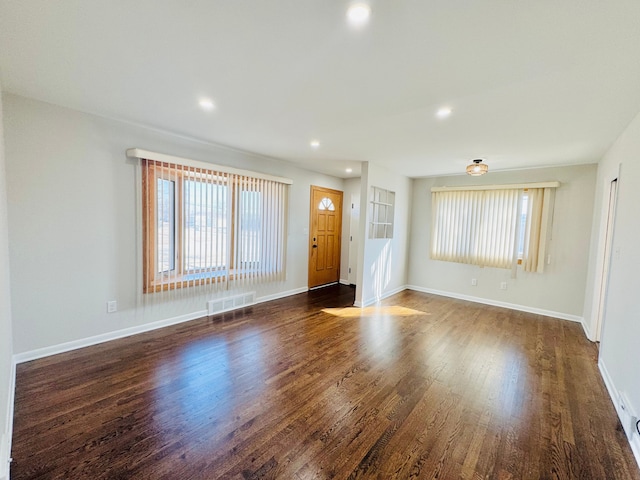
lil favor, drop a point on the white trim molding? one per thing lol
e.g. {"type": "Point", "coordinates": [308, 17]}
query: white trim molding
{"type": "Point", "coordinates": [126, 332]}
{"type": "Point", "coordinates": [374, 300]}
{"type": "Point", "coordinates": [634, 441]}
{"type": "Point", "coordinates": [104, 337]}
{"type": "Point", "coordinates": [276, 296]}
{"type": "Point", "coordinates": [496, 303]}
{"type": "Point", "coordinates": [6, 437]}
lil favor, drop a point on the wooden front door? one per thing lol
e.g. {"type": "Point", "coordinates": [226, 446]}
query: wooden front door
{"type": "Point", "coordinates": [325, 233]}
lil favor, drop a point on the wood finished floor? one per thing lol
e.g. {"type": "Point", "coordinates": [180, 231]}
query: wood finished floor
{"type": "Point", "coordinates": [440, 388]}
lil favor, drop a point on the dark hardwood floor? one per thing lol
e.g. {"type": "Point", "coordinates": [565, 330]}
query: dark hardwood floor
{"type": "Point", "coordinates": [303, 388]}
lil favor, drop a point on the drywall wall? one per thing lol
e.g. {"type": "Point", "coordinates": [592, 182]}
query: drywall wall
{"type": "Point", "coordinates": [559, 290]}
{"type": "Point", "coordinates": [382, 263]}
{"type": "Point", "coordinates": [619, 352]}
{"type": "Point", "coordinates": [6, 347]}
{"type": "Point", "coordinates": [74, 229]}
{"type": "Point", "coordinates": [350, 239]}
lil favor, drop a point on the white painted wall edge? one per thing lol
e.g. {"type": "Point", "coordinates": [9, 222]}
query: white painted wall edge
{"type": "Point", "coordinates": [6, 437]}
{"type": "Point", "coordinates": [127, 332]}
{"type": "Point", "coordinates": [496, 303]}
{"type": "Point", "coordinates": [344, 282]}
{"type": "Point", "coordinates": [372, 301]}
{"type": "Point", "coordinates": [614, 395]}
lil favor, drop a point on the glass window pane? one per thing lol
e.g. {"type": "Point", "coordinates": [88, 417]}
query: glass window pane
{"type": "Point", "coordinates": [205, 225]}
{"type": "Point", "coordinates": [523, 225]}
{"type": "Point", "coordinates": [165, 224]}
{"type": "Point", "coordinates": [250, 213]}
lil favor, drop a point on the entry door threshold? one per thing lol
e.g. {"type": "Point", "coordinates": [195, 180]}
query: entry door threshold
{"type": "Point", "coordinates": [322, 286]}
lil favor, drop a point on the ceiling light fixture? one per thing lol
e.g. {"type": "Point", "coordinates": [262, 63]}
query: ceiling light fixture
{"type": "Point", "coordinates": [349, 170]}
{"type": "Point", "coordinates": [358, 14]}
{"type": "Point", "coordinates": [477, 168]}
{"type": "Point", "coordinates": [314, 143]}
{"type": "Point", "coordinates": [443, 112]}
{"type": "Point", "coordinates": [207, 104]}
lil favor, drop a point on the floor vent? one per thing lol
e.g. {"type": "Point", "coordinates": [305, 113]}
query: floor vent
{"type": "Point", "coordinates": [230, 303]}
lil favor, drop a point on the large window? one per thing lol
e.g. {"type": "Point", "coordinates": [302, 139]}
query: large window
{"type": "Point", "coordinates": [492, 226]}
{"type": "Point", "coordinates": [207, 227]}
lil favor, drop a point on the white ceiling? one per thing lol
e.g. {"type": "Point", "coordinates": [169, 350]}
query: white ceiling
{"type": "Point", "coordinates": [531, 83]}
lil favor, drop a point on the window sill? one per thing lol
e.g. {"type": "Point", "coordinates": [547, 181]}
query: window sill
{"type": "Point", "coordinates": [197, 279]}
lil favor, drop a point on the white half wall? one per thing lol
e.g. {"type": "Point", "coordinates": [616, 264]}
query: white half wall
{"type": "Point", "coordinates": [382, 263]}
{"type": "Point", "coordinates": [560, 289]}
{"type": "Point", "coordinates": [620, 340]}
{"type": "Point", "coordinates": [73, 227]}
{"type": "Point", "coordinates": [7, 372]}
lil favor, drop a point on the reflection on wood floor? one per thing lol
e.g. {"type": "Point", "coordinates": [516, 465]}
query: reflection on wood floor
{"type": "Point", "coordinates": [306, 387]}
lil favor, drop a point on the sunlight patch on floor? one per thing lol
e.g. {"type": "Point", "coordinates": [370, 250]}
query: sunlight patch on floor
{"type": "Point", "coordinates": [354, 312]}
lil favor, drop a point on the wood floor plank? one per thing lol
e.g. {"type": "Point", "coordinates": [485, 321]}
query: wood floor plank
{"type": "Point", "coordinates": [305, 387]}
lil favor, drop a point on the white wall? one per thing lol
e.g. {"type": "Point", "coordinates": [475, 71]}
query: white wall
{"type": "Point", "coordinates": [6, 347]}
{"type": "Point", "coordinates": [349, 257]}
{"type": "Point", "coordinates": [559, 290]}
{"type": "Point", "coordinates": [620, 343]}
{"type": "Point", "coordinates": [382, 263]}
{"type": "Point", "coordinates": [73, 228]}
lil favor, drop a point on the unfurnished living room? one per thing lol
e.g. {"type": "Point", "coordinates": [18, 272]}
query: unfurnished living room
{"type": "Point", "coordinates": [319, 239]}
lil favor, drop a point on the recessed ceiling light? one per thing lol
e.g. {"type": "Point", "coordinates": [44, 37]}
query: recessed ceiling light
{"type": "Point", "coordinates": [443, 112]}
{"type": "Point", "coordinates": [314, 143]}
{"type": "Point", "coordinates": [207, 104]}
{"type": "Point", "coordinates": [349, 170]}
{"type": "Point", "coordinates": [358, 14]}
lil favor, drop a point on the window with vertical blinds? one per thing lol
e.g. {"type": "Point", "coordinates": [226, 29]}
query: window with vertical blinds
{"type": "Point", "coordinates": [492, 226]}
{"type": "Point", "coordinates": [208, 227]}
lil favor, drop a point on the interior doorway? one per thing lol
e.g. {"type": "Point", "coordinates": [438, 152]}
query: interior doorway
{"type": "Point", "coordinates": [325, 234]}
{"type": "Point", "coordinates": [606, 261]}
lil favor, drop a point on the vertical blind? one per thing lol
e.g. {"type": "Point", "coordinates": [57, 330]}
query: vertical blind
{"type": "Point", "coordinates": [535, 239]}
{"type": "Point", "coordinates": [207, 227]}
{"type": "Point", "coordinates": [491, 227]}
{"type": "Point", "coordinates": [476, 227]}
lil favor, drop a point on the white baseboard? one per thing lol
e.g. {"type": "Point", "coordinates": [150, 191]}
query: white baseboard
{"type": "Point", "coordinates": [374, 300]}
{"type": "Point", "coordinates": [6, 437]}
{"type": "Point", "coordinates": [496, 303]}
{"type": "Point", "coordinates": [586, 330]}
{"type": "Point", "coordinates": [5, 448]}
{"type": "Point", "coordinates": [276, 296]}
{"type": "Point", "coordinates": [344, 282]}
{"type": "Point", "coordinates": [634, 442]}
{"type": "Point", "coordinates": [105, 337]}
{"type": "Point", "coordinates": [126, 332]}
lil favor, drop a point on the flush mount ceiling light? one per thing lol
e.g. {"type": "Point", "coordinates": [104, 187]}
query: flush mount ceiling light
{"type": "Point", "coordinates": [314, 143]}
{"type": "Point", "coordinates": [358, 14]}
{"type": "Point", "coordinates": [349, 170]}
{"type": "Point", "coordinates": [207, 104]}
{"type": "Point", "coordinates": [443, 112]}
{"type": "Point", "coordinates": [477, 168]}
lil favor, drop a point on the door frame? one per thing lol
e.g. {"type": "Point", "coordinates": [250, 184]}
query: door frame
{"type": "Point", "coordinates": [609, 222]}
{"type": "Point", "coordinates": [312, 208]}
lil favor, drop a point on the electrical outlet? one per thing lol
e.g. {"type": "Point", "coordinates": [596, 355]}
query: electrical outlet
{"type": "Point", "coordinates": [503, 286]}
{"type": "Point", "coordinates": [112, 306]}
{"type": "Point", "coordinates": [474, 282]}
